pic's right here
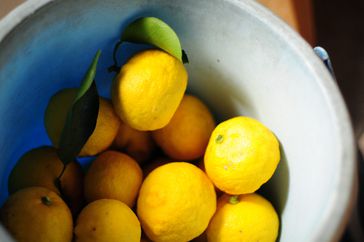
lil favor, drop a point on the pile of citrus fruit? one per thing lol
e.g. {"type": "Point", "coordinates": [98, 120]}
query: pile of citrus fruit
{"type": "Point", "coordinates": [163, 171]}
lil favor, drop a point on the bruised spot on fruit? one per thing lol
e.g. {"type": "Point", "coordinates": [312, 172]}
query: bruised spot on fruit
{"type": "Point", "coordinates": [46, 201]}
{"type": "Point", "coordinates": [219, 139]}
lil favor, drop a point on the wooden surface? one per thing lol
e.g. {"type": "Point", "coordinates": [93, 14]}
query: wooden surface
{"type": "Point", "coordinates": [8, 5]}
{"type": "Point", "coordinates": [297, 13]}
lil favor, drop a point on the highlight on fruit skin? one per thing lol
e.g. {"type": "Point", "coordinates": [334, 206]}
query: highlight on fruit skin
{"type": "Point", "coordinates": [242, 155]}
{"type": "Point", "coordinates": [107, 124]}
{"type": "Point", "coordinates": [37, 214]}
{"type": "Point", "coordinates": [148, 89]}
{"type": "Point", "coordinates": [248, 217]}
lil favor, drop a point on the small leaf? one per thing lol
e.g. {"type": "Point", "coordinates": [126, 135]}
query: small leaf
{"type": "Point", "coordinates": [89, 78]}
{"type": "Point", "coordinates": [81, 118]}
{"type": "Point", "coordinates": [151, 30]}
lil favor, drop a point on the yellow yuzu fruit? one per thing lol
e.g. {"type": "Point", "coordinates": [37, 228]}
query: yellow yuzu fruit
{"type": "Point", "coordinates": [186, 136]}
{"type": "Point", "coordinates": [107, 124]}
{"type": "Point", "coordinates": [176, 202]}
{"type": "Point", "coordinates": [242, 154]}
{"type": "Point", "coordinates": [37, 214]}
{"type": "Point", "coordinates": [113, 175]}
{"type": "Point", "coordinates": [148, 89]}
{"type": "Point", "coordinates": [41, 167]}
{"type": "Point", "coordinates": [138, 144]}
{"type": "Point", "coordinates": [247, 218]}
{"type": "Point", "coordinates": [107, 220]}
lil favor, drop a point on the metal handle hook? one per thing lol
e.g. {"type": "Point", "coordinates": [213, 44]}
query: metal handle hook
{"type": "Point", "coordinates": [324, 56]}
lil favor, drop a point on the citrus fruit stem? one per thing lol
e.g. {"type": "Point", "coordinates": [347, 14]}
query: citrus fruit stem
{"type": "Point", "coordinates": [219, 139]}
{"type": "Point", "coordinates": [234, 199]}
{"type": "Point", "coordinates": [46, 201]}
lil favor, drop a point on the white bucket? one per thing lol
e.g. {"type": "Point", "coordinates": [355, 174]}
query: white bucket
{"type": "Point", "coordinates": [243, 61]}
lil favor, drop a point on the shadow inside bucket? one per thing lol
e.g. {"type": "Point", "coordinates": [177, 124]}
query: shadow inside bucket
{"type": "Point", "coordinates": [277, 188]}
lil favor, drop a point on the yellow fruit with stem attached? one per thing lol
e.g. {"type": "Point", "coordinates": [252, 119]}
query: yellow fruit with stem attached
{"type": "Point", "coordinates": [148, 89]}
{"type": "Point", "coordinates": [242, 154]}
{"type": "Point", "coordinates": [37, 214]}
{"type": "Point", "coordinates": [41, 167]}
{"type": "Point", "coordinates": [247, 218]}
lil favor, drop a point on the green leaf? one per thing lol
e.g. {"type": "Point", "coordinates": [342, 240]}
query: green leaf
{"type": "Point", "coordinates": [153, 31]}
{"type": "Point", "coordinates": [81, 118]}
{"type": "Point", "coordinates": [89, 78]}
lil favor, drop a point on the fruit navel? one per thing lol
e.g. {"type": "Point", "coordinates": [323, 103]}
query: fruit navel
{"type": "Point", "coordinates": [234, 199]}
{"type": "Point", "coordinates": [46, 200]}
